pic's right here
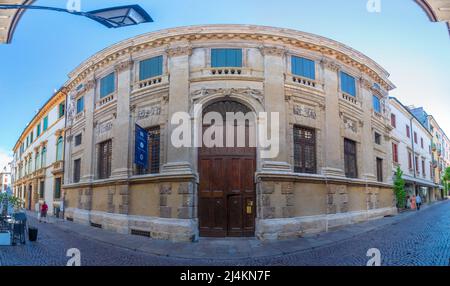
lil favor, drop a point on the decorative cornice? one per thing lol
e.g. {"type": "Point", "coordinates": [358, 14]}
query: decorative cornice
{"type": "Point", "coordinates": [288, 38]}
{"type": "Point", "coordinates": [179, 51]}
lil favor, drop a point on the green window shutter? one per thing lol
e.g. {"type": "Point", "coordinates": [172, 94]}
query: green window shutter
{"type": "Point", "coordinates": [38, 130]}
{"type": "Point", "coordinates": [226, 58]}
{"type": "Point", "coordinates": [61, 110]}
{"type": "Point", "coordinates": [59, 149]}
{"type": "Point", "coordinates": [303, 67]}
{"type": "Point", "coordinates": [150, 68]}
{"type": "Point", "coordinates": [107, 85]}
{"type": "Point", "coordinates": [45, 123]}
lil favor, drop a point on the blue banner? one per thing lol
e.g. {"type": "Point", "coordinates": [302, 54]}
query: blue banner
{"type": "Point", "coordinates": [141, 147]}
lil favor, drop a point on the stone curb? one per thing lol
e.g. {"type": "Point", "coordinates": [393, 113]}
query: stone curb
{"type": "Point", "coordinates": [264, 249]}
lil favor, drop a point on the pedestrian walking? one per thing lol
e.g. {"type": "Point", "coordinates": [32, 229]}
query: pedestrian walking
{"type": "Point", "coordinates": [413, 203]}
{"type": "Point", "coordinates": [44, 209]}
{"type": "Point", "coordinates": [418, 202]}
{"type": "Point", "coordinates": [408, 202]}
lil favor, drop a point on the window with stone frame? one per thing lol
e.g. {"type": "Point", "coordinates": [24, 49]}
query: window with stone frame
{"type": "Point", "coordinates": [58, 188]}
{"type": "Point", "coordinates": [78, 139]}
{"type": "Point", "coordinates": [76, 170]}
{"type": "Point", "coordinates": [379, 170]}
{"type": "Point", "coordinates": [154, 138]}
{"type": "Point", "coordinates": [41, 189]}
{"type": "Point", "coordinates": [377, 138]}
{"type": "Point", "coordinates": [351, 167]}
{"type": "Point", "coordinates": [305, 150]}
{"type": "Point", "coordinates": [104, 157]}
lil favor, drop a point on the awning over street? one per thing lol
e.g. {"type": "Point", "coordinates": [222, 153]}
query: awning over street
{"type": "Point", "coordinates": [10, 18]}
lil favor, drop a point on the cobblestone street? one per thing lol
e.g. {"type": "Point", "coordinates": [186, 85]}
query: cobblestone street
{"type": "Point", "coordinates": [421, 238]}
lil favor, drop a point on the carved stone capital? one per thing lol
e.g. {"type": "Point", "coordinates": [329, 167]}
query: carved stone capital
{"type": "Point", "coordinates": [123, 66]}
{"type": "Point", "coordinates": [179, 51]}
{"type": "Point", "coordinates": [365, 83]}
{"type": "Point", "coordinates": [330, 64]}
{"type": "Point", "coordinates": [60, 132]}
{"type": "Point", "coordinates": [272, 51]}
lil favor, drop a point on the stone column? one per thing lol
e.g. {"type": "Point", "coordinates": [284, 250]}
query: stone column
{"type": "Point", "coordinates": [121, 128]}
{"type": "Point", "coordinates": [178, 159]}
{"type": "Point", "coordinates": [366, 152]}
{"type": "Point", "coordinates": [333, 142]}
{"type": "Point", "coordinates": [87, 165]}
{"type": "Point", "coordinates": [274, 101]}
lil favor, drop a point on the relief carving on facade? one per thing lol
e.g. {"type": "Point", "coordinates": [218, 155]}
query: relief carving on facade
{"type": "Point", "coordinates": [350, 124]}
{"type": "Point", "coordinates": [179, 51]}
{"type": "Point", "coordinates": [104, 127]}
{"type": "Point", "coordinates": [122, 66]}
{"type": "Point", "coordinates": [305, 111]}
{"type": "Point", "coordinates": [273, 51]}
{"type": "Point", "coordinates": [147, 112]}
{"type": "Point", "coordinates": [227, 92]}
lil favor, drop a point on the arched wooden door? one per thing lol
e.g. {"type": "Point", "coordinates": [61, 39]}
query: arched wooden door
{"type": "Point", "coordinates": [227, 196]}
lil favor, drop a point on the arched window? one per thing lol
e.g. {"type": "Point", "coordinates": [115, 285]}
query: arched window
{"type": "Point", "coordinates": [44, 157]}
{"type": "Point", "coordinates": [59, 149]}
{"type": "Point", "coordinates": [37, 163]}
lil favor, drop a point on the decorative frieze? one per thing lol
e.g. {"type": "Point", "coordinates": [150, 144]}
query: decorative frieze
{"type": "Point", "coordinates": [273, 51]}
{"type": "Point", "coordinates": [227, 92]}
{"type": "Point", "coordinates": [350, 124]}
{"type": "Point", "coordinates": [147, 112]}
{"type": "Point", "coordinates": [179, 51]}
{"type": "Point", "coordinates": [104, 127]}
{"type": "Point", "coordinates": [122, 66]}
{"type": "Point", "coordinates": [305, 111]}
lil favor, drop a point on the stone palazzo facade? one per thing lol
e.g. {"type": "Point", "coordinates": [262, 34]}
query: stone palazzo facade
{"type": "Point", "coordinates": [335, 160]}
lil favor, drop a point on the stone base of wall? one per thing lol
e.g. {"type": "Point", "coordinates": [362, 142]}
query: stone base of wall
{"type": "Point", "coordinates": [289, 228]}
{"type": "Point", "coordinates": [177, 230]}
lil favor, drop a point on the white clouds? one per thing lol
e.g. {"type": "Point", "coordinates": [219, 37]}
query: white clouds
{"type": "Point", "coordinates": [5, 158]}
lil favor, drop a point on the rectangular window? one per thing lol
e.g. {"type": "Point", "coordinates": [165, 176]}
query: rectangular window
{"type": "Point", "coordinates": [78, 139]}
{"type": "Point", "coordinates": [423, 168]}
{"type": "Point", "coordinates": [351, 169]}
{"type": "Point", "coordinates": [415, 137]}
{"type": "Point", "coordinates": [154, 136]}
{"type": "Point", "coordinates": [150, 68]}
{"type": "Point", "coordinates": [57, 188]}
{"type": "Point", "coordinates": [393, 121]}
{"type": "Point", "coordinates": [377, 138]}
{"type": "Point", "coordinates": [80, 104]}
{"type": "Point", "coordinates": [303, 67]}
{"type": "Point", "coordinates": [417, 164]}
{"type": "Point", "coordinates": [41, 189]}
{"type": "Point", "coordinates": [76, 170]}
{"type": "Point", "coordinates": [408, 132]}
{"type": "Point", "coordinates": [226, 58]}
{"type": "Point", "coordinates": [104, 159]}
{"type": "Point", "coordinates": [380, 170]}
{"type": "Point", "coordinates": [410, 165]}
{"type": "Point", "coordinates": [395, 152]}
{"type": "Point", "coordinates": [431, 171]}
{"type": "Point", "coordinates": [45, 123]}
{"type": "Point", "coordinates": [107, 85]}
{"type": "Point", "coordinates": [31, 137]}
{"type": "Point", "coordinates": [376, 104]}
{"type": "Point", "coordinates": [61, 110]}
{"type": "Point", "coordinates": [348, 84]}
{"type": "Point", "coordinates": [304, 150]}
{"type": "Point", "coordinates": [38, 130]}
{"type": "Point", "coordinates": [421, 142]}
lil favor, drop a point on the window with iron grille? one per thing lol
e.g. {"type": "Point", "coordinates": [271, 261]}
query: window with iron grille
{"type": "Point", "coordinates": [351, 170]}
{"type": "Point", "coordinates": [104, 159]}
{"type": "Point", "coordinates": [304, 150]}
{"type": "Point", "coordinates": [57, 188]}
{"type": "Point", "coordinates": [76, 170]}
{"type": "Point", "coordinates": [380, 170]}
{"type": "Point", "coordinates": [154, 135]}
{"type": "Point", "coordinates": [78, 139]}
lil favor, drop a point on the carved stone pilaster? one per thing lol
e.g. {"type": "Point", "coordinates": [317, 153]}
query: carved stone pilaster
{"type": "Point", "coordinates": [330, 64]}
{"type": "Point", "coordinates": [272, 51]}
{"type": "Point", "coordinates": [122, 66]}
{"type": "Point", "coordinates": [179, 51]}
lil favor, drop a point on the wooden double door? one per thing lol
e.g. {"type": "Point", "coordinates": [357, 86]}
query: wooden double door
{"type": "Point", "coordinates": [227, 196]}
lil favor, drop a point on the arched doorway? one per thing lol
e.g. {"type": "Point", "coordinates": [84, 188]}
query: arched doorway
{"type": "Point", "coordinates": [227, 195]}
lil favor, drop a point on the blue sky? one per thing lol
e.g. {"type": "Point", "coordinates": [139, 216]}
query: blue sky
{"type": "Point", "coordinates": [48, 45]}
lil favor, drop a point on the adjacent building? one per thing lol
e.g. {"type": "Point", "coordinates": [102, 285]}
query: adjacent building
{"type": "Point", "coordinates": [38, 163]}
{"type": "Point", "coordinates": [5, 180]}
{"type": "Point", "coordinates": [334, 165]}
{"type": "Point", "coordinates": [412, 151]}
{"type": "Point", "coordinates": [440, 147]}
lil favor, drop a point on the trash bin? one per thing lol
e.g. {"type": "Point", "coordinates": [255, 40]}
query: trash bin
{"type": "Point", "coordinates": [32, 233]}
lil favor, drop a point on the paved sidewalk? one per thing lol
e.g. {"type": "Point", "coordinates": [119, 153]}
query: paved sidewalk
{"type": "Point", "coordinates": [229, 248]}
